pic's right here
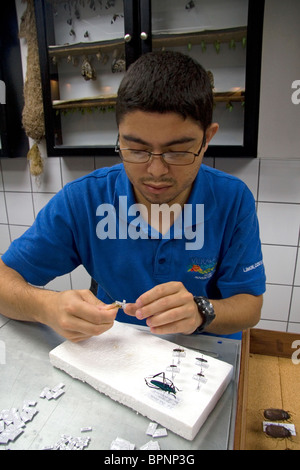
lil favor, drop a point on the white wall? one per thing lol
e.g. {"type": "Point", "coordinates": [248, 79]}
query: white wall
{"type": "Point", "coordinates": [274, 177]}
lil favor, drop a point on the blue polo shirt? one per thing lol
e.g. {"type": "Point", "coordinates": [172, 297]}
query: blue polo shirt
{"type": "Point", "coordinates": [213, 249]}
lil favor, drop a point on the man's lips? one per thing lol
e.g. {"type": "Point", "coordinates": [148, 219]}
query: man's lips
{"type": "Point", "coordinates": [157, 189]}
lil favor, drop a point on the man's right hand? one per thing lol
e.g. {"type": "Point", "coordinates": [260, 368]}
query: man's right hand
{"type": "Point", "coordinates": [78, 315]}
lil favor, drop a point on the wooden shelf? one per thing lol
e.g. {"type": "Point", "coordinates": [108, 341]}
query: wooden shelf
{"type": "Point", "coordinates": [196, 38]}
{"type": "Point", "coordinates": [85, 48]}
{"type": "Point", "coordinates": [110, 100]}
{"type": "Point", "coordinates": [158, 41]}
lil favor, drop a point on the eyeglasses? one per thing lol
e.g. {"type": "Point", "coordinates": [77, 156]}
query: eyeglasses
{"type": "Point", "coordinates": [171, 158]}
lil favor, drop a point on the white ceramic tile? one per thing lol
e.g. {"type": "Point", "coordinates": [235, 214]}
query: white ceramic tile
{"type": "Point", "coordinates": [1, 182]}
{"type": "Point", "coordinates": [50, 181]}
{"type": "Point", "coordinates": [16, 176]}
{"type": "Point", "coordinates": [279, 181]}
{"type": "Point", "coordinates": [17, 231]}
{"type": "Point", "coordinates": [276, 304]}
{"type": "Point", "coordinates": [297, 274]}
{"type": "Point", "coordinates": [73, 168]}
{"type": "Point", "coordinates": [294, 328]}
{"type": "Point", "coordinates": [272, 325]}
{"type": "Point", "coordinates": [4, 238]}
{"type": "Point", "coordinates": [40, 200]}
{"type": "Point", "coordinates": [279, 223]}
{"type": "Point", "coordinates": [244, 168]}
{"type": "Point", "coordinates": [80, 278]}
{"type": "Point", "coordinates": [279, 263]}
{"type": "Point", "coordinates": [3, 215]}
{"type": "Point", "coordinates": [19, 208]}
{"type": "Point", "coordinates": [60, 283]}
{"type": "Point", "coordinates": [101, 162]}
{"type": "Point", "coordinates": [295, 306]}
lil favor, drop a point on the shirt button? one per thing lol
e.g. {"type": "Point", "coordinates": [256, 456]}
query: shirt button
{"type": "Point", "coordinates": [162, 260]}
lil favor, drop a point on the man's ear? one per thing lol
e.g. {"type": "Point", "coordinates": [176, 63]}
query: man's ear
{"type": "Point", "coordinates": [210, 133]}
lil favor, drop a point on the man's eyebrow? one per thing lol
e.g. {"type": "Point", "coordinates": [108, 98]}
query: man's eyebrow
{"type": "Point", "coordinates": [138, 140]}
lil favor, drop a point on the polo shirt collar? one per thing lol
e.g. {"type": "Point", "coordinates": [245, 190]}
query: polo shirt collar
{"type": "Point", "coordinates": [202, 194]}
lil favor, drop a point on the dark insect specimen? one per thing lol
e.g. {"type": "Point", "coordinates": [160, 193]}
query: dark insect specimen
{"type": "Point", "coordinates": [190, 5]}
{"type": "Point", "coordinates": [87, 70]}
{"type": "Point", "coordinates": [166, 385]}
{"type": "Point", "coordinates": [115, 17]}
{"type": "Point", "coordinates": [277, 431]}
{"type": "Point", "coordinates": [276, 414]}
{"type": "Point", "coordinates": [110, 4]}
{"type": "Point", "coordinates": [118, 65]}
{"type": "Point", "coordinates": [201, 359]}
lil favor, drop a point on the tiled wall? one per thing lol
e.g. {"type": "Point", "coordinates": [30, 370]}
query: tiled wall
{"type": "Point", "coordinates": [274, 183]}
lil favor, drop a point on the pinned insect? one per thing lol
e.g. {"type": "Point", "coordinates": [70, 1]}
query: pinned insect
{"type": "Point", "coordinates": [166, 385]}
{"type": "Point", "coordinates": [277, 431]}
{"type": "Point", "coordinates": [190, 5]}
{"type": "Point", "coordinates": [87, 70]}
{"type": "Point", "coordinates": [276, 414]}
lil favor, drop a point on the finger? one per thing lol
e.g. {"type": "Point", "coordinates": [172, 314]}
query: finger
{"type": "Point", "coordinates": [81, 327]}
{"type": "Point", "coordinates": [130, 309]}
{"type": "Point", "coordinates": [157, 292]}
{"type": "Point", "coordinates": [163, 305]}
{"type": "Point", "coordinates": [76, 337]}
{"type": "Point", "coordinates": [95, 314]}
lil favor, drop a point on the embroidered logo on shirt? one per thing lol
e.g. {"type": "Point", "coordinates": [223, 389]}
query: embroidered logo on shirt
{"type": "Point", "coordinates": [204, 268]}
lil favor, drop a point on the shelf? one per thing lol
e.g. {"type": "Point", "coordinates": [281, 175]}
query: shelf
{"type": "Point", "coordinates": [158, 41]}
{"type": "Point", "coordinates": [110, 100]}
{"type": "Point", "coordinates": [196, 38]}
{"type": "Point", "coordinates": [85, 48]}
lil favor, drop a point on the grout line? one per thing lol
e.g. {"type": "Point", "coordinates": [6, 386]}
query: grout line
{"type": "Point", "coordinates": [293, 285]}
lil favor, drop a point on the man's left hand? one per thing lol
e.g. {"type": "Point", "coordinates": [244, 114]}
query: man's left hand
{"type": "Point", "coordinates": [168, 308]}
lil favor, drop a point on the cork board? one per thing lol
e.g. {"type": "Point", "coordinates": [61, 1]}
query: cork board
{"type": "Point", "coordinates": [273, 382]}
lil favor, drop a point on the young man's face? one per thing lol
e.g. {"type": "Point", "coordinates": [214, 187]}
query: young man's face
{"type": "Point", "coordinates": [156, 182]}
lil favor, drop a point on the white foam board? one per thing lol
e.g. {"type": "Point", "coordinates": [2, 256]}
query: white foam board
{"type": "Point", "coordinates": [117, 362]}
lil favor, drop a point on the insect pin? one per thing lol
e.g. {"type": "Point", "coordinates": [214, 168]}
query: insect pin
{"type": "Point", "coordinates": [166, 385]}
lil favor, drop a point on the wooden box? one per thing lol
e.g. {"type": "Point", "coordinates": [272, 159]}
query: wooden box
{"type": "Point", "coordinates": [269, 378]}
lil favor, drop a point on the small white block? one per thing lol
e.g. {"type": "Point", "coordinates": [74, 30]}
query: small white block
{"type": "Point", "coordinates": [86, 429]}
{"type": "Point", "coordinates": [161, 432]}
{"type": "Point", "coordinates": [151, 429]}
{"type": "Point", "coordinates": [121, 444]}
{"type": "Point", "coordinates": [57, 387]}
{"type": "Point", "coordinates": [151, 445]}
{"type": "Point", "coordinates": [57, 394]}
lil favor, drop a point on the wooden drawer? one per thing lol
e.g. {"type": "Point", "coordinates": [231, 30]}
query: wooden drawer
{"type": "Point", "coordinates": [268, 379]}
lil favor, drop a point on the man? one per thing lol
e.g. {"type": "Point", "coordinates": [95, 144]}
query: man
{"type": "Point", "coordinates": [195, 267]}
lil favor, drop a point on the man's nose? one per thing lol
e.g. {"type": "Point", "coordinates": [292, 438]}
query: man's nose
{"type": "Point", "coordinates": [157, 166]}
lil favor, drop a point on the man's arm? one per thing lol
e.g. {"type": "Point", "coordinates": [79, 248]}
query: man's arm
{"type": "Point", "coordinates": [74, 314]}
{"type": "Point", "coordinates": [170, 308]}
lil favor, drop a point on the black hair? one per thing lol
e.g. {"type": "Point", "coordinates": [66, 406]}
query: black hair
{"type": "Point", "coordinates": [163, 82]}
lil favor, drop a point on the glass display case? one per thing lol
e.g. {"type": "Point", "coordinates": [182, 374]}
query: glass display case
{"type": "Point", "coordinates": [86, 46]}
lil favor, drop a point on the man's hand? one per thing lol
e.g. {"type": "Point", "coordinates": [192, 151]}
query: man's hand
{"type": "Point", "coordinates": [167, 308]}
{"type": "Point", "coordinates": [78, 315]}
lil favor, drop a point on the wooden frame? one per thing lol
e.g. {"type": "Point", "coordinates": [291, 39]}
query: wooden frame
{"type": "Point", "coordinates": [262, 342]}
{"type": "Point", "coordinates": [137, 19]}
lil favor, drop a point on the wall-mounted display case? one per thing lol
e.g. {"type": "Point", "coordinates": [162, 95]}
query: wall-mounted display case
{"type": "Point", "coordinates": [86, 46]}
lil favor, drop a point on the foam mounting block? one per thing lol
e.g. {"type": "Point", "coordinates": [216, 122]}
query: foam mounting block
{"type": "Point", "coordinates": [117, 363]}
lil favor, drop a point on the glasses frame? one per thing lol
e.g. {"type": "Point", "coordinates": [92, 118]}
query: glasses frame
{"type": "Point", "coordinates": [161, 155]}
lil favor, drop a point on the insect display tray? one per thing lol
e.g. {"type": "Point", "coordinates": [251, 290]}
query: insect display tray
{"type": "Point", "coordinates": [117, 362]}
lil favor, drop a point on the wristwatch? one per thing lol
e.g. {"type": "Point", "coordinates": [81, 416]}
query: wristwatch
{"type": "Point", "coordinates": [207, 312]}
